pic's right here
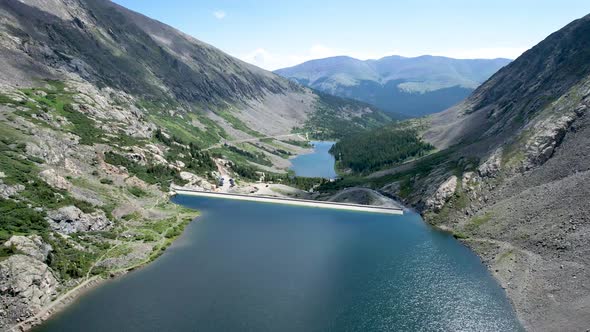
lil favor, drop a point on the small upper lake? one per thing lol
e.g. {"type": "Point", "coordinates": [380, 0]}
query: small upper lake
{"type": "Point", "coordinates": [319, 163]}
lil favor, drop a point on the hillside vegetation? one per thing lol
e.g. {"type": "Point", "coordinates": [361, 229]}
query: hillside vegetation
{"type": "Point", "coordinates": [337, 118]}
{"type": "Point", "coordinates": [373, 150]}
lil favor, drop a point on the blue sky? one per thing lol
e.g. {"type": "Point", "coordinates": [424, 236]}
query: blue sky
{"type": "Point", "coordinates": [279, 33]}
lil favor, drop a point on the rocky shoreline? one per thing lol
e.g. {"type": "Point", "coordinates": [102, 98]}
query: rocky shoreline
{"type": "Point", "coordinates": [63, 300]}
{"type": "Point", "coordinates": [58, 304]}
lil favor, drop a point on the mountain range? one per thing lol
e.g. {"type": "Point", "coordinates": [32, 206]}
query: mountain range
{"type": "Point", "coordinates": [410, 87]}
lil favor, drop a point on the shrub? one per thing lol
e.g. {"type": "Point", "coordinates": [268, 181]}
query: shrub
{"type": "Point", "coordinates": [68, 261]}
{"type": "Point", "coordinates": [19, 218]}
{"type": "Point", "coordinates": [137, 192]}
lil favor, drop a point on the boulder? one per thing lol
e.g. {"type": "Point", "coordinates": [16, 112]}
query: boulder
{"type": "Point", "coordinates": [31, 245]}
{"type": "Point", "coordinates": [137, 157]}
{"type": "Point", "coordinates": [442, 194]}
{"type": "Point", "coordinates": [70, 219]}
{"type": "Point", "coordinates": [154, 149]}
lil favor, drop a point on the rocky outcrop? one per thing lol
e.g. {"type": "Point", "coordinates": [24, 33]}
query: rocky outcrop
{"type": "Point", "coordinates": [51, 146]}
{"type": "Point", "coordinates": [26, 285]}
{"type": "Point", "coordinates": [31, 245]}
{"type": "Point", "coordinates": [137, 157]}
{"type": "Point", "coordinates": [70, 219]}
{"type": "Point", "coordinates": [442, 194]}
{"type": "Point", "coordinates": [491, 167]}
{"type": "Point", "coordinates": [469, 181]}
{"type": "Point", "coordinates": [55, 180]}
{"type": "Point", "coordinates": [547, 137]}
{"type": "Point", "coordinates": [195, 182]}
{"type": "Point", "coordinates": [7, 191]}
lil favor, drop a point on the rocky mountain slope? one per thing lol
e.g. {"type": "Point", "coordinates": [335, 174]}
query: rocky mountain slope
{"type": "Point", "coordinates": [102, 110]}
{"type": "Point", "coordinates": [512, 177]}
{"type": "Point", "coordinates": [411, 87]}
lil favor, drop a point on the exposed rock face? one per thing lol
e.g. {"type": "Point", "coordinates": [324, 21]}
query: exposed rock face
{"type": "Point", "coordinates": [442, 194]}
{"type": "Point", "coordinates": [548, 135]}
{"type": "Point", "coordinates": [491, 167]}
{"type": "Point", "coordinates": [52, 146]}
{"type": "Point", "coordinates": [55, 180]}
{"type": "Point", "coordinates": [469, 180]}
{"type": "Point", "coordinates": [70, 219]}
{"type": "Point", "coordinates": [31, 245]}
{"type": "Point", "coordinates": [6, 191]}
{"type": "Point", "coordinates": [26, 285]}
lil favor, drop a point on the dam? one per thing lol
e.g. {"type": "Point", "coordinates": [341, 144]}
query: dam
{"type": "Point", "coordinates": [291, 201]}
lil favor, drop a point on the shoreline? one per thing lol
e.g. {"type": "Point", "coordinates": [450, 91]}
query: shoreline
{"type": "Point", "coordinates": [60, 303]}
{"type": "Point", "coordinates": [313, 149]}
{"type": "Point", "coordinates": [66, 299]}
{"type": "Point", "coordinates": [487, 259]}
{"type": "Point", "coordinates": [472, 244]}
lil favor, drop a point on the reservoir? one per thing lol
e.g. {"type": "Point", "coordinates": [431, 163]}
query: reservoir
{"type": "Point", "coordinates": [250, 266]}
{"type": "Point", "coordinates": [319, 163]}
{"type": "Point", "coordinates": [255, 266]}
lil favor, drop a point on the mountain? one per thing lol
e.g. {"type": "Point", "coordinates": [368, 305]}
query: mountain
{"type": "Point", "coordinates": [510, 176]}
{"type": "Point", "coordinates": [102, 110]}
{"type": "Point", "coordinates": [409, 86]}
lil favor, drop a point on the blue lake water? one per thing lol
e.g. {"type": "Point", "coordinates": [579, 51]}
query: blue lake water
{"type": "Point", "coordinates": [319, 163]}
{"type": "Point", "coordinates": [250, 266]}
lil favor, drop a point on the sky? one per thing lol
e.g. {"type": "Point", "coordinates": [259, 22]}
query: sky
{"type": "Point", "coordinates": [275, 34]}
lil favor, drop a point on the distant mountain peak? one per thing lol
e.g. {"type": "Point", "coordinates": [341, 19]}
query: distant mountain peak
{"type": "Point", "coordinates": [413, 86]}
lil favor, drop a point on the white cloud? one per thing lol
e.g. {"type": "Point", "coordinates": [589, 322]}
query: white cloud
{"type": "Point", "coordinates": [269, 60]}
{"type": "Point", "coordinates": [219, 14]}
